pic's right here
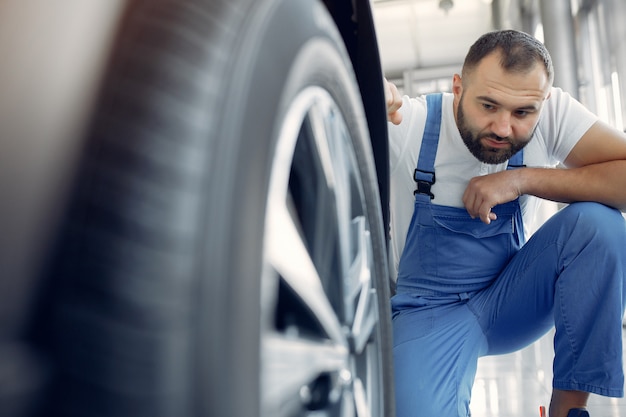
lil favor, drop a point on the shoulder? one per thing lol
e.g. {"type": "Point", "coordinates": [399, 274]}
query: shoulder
{"type": "Point", "coordinates": [414, 113]}
{"type": "Point", "coordinates": [405, 137]}
{"type": "Point", "coordinates": [563, 122]}
{"type": "Point", "coordinates": [561, 108]}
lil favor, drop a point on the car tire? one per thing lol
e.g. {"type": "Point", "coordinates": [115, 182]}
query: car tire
{"type": "Point", "coordinates": [224, 252]}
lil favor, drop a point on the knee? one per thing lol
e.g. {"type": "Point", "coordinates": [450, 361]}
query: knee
{"type": "Point", "coordinates": [597, 222]}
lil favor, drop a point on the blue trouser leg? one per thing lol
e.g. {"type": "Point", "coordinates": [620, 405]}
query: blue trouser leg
{"type": "Point", "coordinates": [435, 351]}
{"type": "Point", "coordinates": [570, 274]}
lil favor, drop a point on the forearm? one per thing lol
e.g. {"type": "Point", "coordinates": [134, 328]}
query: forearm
{"type": "Point", "coordinates": [603, 182]}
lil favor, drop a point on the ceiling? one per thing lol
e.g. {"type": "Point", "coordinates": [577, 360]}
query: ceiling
{"type": "Point", "coordinates": [428, 37]}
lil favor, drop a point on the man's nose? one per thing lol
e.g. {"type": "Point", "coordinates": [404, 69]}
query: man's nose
{"type": "Point", "coordinates": [502, 125]}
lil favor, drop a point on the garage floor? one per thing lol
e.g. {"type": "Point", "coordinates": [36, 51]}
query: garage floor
{"type": "Point", "coordinates": [515, 385]}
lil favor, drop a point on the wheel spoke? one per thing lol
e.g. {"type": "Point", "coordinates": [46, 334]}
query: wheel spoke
{"type": "Point", "coordinates": [360, 290]}
{"type": "Point", "coordinates": [361, 399]}
{"type": "Point", "coordinates": [332, 146]}
{"type": "Point", "coordinates": [365, 320]}
{"type": "Point", "coordinates": [288, 255]}
{"type": "Point", "coordinates": [291, 363]}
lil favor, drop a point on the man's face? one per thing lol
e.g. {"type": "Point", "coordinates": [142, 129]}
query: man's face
{"type": "Point", "coordinates": [485, 145]}
{"type": "Point", "coordinates": [497, 112]}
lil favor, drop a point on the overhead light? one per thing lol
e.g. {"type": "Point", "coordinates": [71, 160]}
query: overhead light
{"type": "Point", "coordinates": [446, 5]}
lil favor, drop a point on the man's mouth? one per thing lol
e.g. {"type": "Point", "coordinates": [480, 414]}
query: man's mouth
{"type": "Point", "coordinates": [495, 144]}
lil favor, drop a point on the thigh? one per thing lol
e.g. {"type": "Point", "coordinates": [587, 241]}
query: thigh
{"type": "Point", "coordinates": [572, 246]}
{"type": "Point", "coordinates": [517, 308]}
{"type": "Point", "coordinates": [436, 350]}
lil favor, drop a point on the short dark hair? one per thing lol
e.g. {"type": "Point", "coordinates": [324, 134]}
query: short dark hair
{"type": "Point", "coordinates": [519, 52]}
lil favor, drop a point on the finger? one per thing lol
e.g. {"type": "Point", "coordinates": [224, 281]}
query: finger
{"type": "Point", "coordinates": [395, 117]}
{"type": "Point", "coordinates": [487, 219]}
{"type": "Point", "coordinates": [393, 101]}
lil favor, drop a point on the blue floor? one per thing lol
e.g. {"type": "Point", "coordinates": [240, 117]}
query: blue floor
{"type": "Point", "coordinates": [515, 385]}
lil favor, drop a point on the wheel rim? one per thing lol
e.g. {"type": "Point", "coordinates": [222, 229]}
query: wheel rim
{"type": "Point", "coordinates": [320, 344]}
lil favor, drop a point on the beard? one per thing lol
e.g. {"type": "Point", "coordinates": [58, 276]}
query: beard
{"type": "Point", "coordinates": [488, 155]}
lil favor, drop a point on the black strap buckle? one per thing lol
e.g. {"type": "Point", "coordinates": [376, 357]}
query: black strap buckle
{"type": "Point", "coordinates": [424, 180]}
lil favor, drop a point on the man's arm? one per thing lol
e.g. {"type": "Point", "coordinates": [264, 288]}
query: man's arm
{"type": "Point", "coordinates": [595, 171]}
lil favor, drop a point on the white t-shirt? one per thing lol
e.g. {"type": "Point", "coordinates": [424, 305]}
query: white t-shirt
{"type": "Point", "coordinates": [562, 123]}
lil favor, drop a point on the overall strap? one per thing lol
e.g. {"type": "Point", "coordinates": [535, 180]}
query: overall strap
{"type": "Point", "coordinates": [517, 160]}
{"type": "Point", "coordinates": [425, 172]}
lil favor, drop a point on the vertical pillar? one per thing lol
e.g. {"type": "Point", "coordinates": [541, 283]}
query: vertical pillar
{"type": "Point", "coordinates": [616, 15]}
{"type": "Point", "coordinates": [529, 16]}
{"type": "Point", "coordinates": [588, 58]}
{"type": "Point", "coordinates": [559, 38]}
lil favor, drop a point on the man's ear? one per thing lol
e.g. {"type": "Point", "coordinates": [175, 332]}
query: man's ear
{"type": "Point", "coordinates": [457, 86]}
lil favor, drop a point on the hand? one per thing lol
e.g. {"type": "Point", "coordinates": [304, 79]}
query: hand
{"type": "Point", "coordinates": [394, 102]}
{"type": "Point", "coordinates": [485, 192]}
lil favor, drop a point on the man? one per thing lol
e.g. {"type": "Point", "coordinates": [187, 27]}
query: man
{"type": "Point", "coordinates": [469, 284]}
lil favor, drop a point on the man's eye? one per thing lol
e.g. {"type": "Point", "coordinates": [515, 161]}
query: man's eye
{"type": "Point", "coordinates": [521, 113]}
{"type": "Point", "coordinates": [487, 106]}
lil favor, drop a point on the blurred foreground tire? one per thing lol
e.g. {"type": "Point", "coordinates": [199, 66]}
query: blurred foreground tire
{"type": "Point", "coordinates": [224, 252]}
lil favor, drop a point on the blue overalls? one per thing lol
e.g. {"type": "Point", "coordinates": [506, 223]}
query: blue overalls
{"type": "Point", "coordinates": [467, 289]}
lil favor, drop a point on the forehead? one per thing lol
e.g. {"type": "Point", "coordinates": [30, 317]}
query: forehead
{"type": "Point", "coordinates": [490, 80]}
